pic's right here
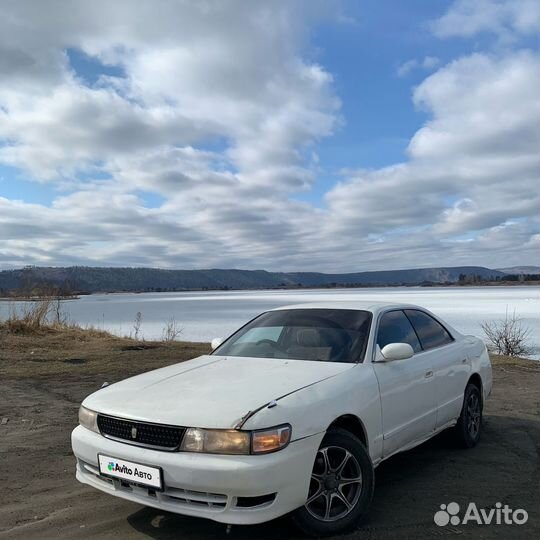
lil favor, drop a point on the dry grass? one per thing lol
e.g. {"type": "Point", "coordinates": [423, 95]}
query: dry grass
{"type": "Point", "coordinates": [64, 350]}
{"type": "Point", "coordinates": [501, 360]}
{"type": "Point", "coordinates": [37, 340]}
{"type": "Point", "coordinates": [34, 315]}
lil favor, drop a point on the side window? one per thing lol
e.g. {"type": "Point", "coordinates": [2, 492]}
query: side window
{"type": "Point", "coordinates": [431, 333]}
{"type": "Point", "coordinates": [395, 327]}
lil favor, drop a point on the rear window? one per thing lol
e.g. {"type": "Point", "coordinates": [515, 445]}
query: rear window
{"type": "Point", "coordinates": [430, 332]}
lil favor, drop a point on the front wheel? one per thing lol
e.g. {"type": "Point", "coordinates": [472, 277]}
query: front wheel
{"type": "Point", "coordinates": [341, 486]}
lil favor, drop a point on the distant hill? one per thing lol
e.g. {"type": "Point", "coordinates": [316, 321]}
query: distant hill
{"type": "Point", "coordinates": [415, 276]}
{"type": "Point", "coordinates": [81, 279]}
{"type": "Point", "coordinates": [517, 270]}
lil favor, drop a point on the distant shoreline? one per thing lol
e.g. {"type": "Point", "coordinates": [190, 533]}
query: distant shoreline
{"type": "Point", "coordinates": [486, 285]}
{"type": "Point", "coordinates": [29, 282]}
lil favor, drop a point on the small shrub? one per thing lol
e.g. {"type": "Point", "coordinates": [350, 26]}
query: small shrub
{"type": "Point", "coordinates": [509, 336]}
{"type": "Point", "coordinates": [171, 330]}
{"type": "Point", "coordinates": [31, 315]}
{"type": "Point", "coordinates": [35, 314]}
{"type": "Point", "coordinates": [137, 325]}
{"type": "Point", "coordinates": [59, 316]}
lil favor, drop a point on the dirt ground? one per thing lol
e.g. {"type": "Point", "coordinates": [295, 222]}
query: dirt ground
{"type": "Point", "coordinates": [44, 377]}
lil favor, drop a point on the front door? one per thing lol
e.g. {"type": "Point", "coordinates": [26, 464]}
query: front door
{"type": "Point", "coordinates": [407, 387]}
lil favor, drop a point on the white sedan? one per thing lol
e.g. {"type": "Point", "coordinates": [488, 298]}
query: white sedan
{"type": "Point", "coordinates": [289, 414]}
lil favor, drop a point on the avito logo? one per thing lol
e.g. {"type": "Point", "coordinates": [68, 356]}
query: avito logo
{"type": "Point", "coordinates": [449, 514]}
{"type": "Point", "coordinates": [114, 467]}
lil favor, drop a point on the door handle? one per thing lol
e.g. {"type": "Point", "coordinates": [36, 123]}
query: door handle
{"type": "Point", "coordinates": [464, 361]}
{"type": "Point", "coordinates": [428, 374]}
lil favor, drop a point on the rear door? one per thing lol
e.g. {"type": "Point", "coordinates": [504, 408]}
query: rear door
{"type": "Point", "coordinates": [449, 360]}
{"type": "Point", "coordinates": [407, 389]}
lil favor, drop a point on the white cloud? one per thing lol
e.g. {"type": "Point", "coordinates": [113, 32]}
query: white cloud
{"type": "Point", "coordinates": [428, 63]}
{"type": "Point", "coordinates": [466, 18]}
{"type": "Point", "coordinates": [193, 72]}
{"type": "Point", "coordinates": [480, 149]}
{"type": "Point", "coordinates": [217, 111]}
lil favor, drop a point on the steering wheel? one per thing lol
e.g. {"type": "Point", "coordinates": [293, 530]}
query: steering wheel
{"type": "Point", "coordinates": [272, 344]}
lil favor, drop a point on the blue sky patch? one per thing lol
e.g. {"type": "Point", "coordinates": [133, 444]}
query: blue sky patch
{"type": "Point", "coordinates": [89, 68]}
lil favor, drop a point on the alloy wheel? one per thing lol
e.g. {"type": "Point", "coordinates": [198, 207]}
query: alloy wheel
{"type": "Point", "coordinates": [474, 415]}
{"type": "Point", "coordinates": [336, 484]}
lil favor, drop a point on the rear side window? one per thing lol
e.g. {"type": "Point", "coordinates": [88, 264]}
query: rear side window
{"type": "Point", "coordinates": [431, 332]}
{"type": "Point", "coordinates": [395, 327]}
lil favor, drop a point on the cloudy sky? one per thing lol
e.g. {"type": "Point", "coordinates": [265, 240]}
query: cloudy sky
{"type": "Point", "coordinates": [285, 135]}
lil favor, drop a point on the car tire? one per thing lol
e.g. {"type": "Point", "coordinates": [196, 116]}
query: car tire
{"type": "Point", "coordinates": [469, 425]}
{"type": "Point", "coordinates": [341, 486]}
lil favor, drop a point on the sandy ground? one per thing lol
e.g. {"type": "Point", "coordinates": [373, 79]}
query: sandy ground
{"type": "Point", "coordinates": [42, 383]}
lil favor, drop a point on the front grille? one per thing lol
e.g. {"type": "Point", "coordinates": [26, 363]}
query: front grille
{"type": "Point", "coordinates": [140, 433]}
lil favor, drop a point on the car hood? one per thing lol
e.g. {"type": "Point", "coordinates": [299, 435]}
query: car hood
{"type": "Point", "coordinates": [209, 391]}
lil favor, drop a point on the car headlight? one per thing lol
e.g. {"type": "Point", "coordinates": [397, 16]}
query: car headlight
{"type": "Point", "coordinates": [216, 441]}
{"type": "Point", "coordinates": [88, 419]}
{"type": "Point", "coordinates": [232, 441]}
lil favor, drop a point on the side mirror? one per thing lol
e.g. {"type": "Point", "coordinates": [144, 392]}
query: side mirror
{"type": "Point", "coordinates": [397, 351]}
{"type": "Point", "coordinates": [216, 342]}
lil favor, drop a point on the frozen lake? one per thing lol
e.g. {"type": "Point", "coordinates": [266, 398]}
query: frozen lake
{"type": "Point", "coordinates": [205, 315]}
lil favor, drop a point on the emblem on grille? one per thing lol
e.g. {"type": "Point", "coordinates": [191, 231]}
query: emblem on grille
{"type": "Point", "coordinates": [133, 432]}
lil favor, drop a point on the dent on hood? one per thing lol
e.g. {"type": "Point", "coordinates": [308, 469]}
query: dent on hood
{"type": "Point", "coordinates": [274, 402]}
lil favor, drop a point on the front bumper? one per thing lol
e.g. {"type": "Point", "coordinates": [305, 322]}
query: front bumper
{"type": "Point", "coordinates": [206, 485]}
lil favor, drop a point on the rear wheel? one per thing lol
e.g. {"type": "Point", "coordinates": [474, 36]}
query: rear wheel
{"type": "Point", "coordinates": [341, 486]}
{"type": "Point", "coordinates": [469, 425]}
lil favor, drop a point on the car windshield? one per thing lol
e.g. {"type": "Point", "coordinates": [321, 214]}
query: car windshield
{"type": "Point", "coordinates": [325, 335]}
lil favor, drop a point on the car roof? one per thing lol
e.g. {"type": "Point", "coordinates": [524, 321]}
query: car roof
{"type": "Point", "coordinates": [374, 307]}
